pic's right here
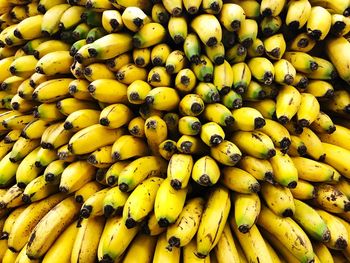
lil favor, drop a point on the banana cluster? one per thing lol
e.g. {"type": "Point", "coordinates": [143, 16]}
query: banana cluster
{"type": "Point", "coordinates": [174, 131]}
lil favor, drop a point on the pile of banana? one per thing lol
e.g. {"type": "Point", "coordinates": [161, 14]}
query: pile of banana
{"type": "Point", "coordinates": [173, 131]}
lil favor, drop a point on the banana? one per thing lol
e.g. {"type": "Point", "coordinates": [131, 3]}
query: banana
{"type": "Point", "coordinates": [223, 77]}
{"type": "Point", "coordinates": [315, 148]}
{"type": "Point", "coordinates": [149, 35]}
{"type": "Point", "coordinates": [115, 116]}
{"type": "Point", "coordinates": [261, 169]}
{"type": "Point", "coordinates": [167, 149]}
{"type": "Point", "coordinates": [51, 19]}
{"type": "Point", "coordinates": [285, 172]}
{"type": "Point", "coordinates": [177, 27]}
{"type": "Point", "coordinates": [9, 256]}
{"type": "Point", "coordinates": [136, 171]}
{"type": "Point", "coordinates": [246, 210]}
{"type": "Point", "coordinates": [284, 72]}
{"type": "Point", "coordinates": [192, 48]}
{"type": "Point", "coordinates": [298, 13]}
{"type": "Point", "coordinates": [64, 154]}
{"type": "Point", "coordinates": [116, 240]}
{"type": "Point", "coordinates": [205, 171]}
{"type": "Point", "coordinates": [318, 28]}
{"type": "Point", "coordinates": [275, 46]}
{"type": "Point", "coordinates": [48, 112]}
{"type": "Point", "coordinates": [96, 71]}
{"type": "Point", "coordinates": [331, 199]}
{"type": "Point", "coordinates": [253, 244]}
{"type": "Point", "coordinates": [313, 224]}
{"type": "Point", "coordinates": [287, 103]}
{"type": "Point", "coordinates": [212, 223]}
{"type": "Point", "coordinates": [102, 157]}
{"type": "Point", "coordinates": [338, 233]}
{"type": "Point", "coordinates": [8, 170]}
{"type": "Point", "coordinates": [232, 100]}
{"type": "Point", "coordinates": [279, 199]}
{"type": "Point", "coordinates": [303, 191]}
{"type": "Point", "coordinates": [121, 149]}
{"type": "Point", "coordinates": [79, 143]}
{"type": "Point", "coordinates": [271, 8]}
{"type": "Point", "coordinates": [321, 251]}
{"type": "Point", "coordinates": [70, 182]}
{"type": "Point", "coordinates": [5, 64]}
{"type": "Point", "coordinates": [191, 105]}
{"type": "Point", "coordinates": [337, 7]}
{"type": "Point", "coordinates": [136, 127]}
{"type": "Point", "coordinates": [57, 62]}
{"type": "Point", "coordinates": [39, 189]}
{"type": "Point", "coordinates": [339, 137]}
{"type": "Point", "coordinates": [12, 136]}
{"type": "Point", "coordinates": [81, 119]}
{"type": "Point", "coordinates": [270, 25]}
{"type": "Point", "coordinates": [200, 24]}
{"type": "Point", "coordinates": [231, 16]}
{"type": "Point", "coordinates": [189, 125]}
{"type": "Point", "coordinates": [308, 110]}
{"type": "Point", "coordinates": [260, 145]}
{"type": "Point", "coordinates": [339, 103]}
{"type": "Point", "coordinates": [257, 48]}
{"type": "Point", "coordinates": [141, 249]}
{"type": "Point", "coordinates": [247, 119]}
{"type": "Point", "coordinates": [78, 88]}
{"type": "Point", "coordinates": [255, 92]}
{"type": "Point", "coordinates": [212, 134]}
{"type": "Point", "coordinates": [323, 90]}
{"type": "Point", "coordinates": [314, 171]}
{"type": "Point", "coordinates": [86, 191]}
{"type": "Point", "coordinates": [301, 61]}
{"type": "Point", "coordinates": [179, 170]}
{"type": "Point", "coordinates": [185, 81]}
{"type": "Point", "coordinates": [303, 43]}
{"type": "Point", "coordinates": [9, 221]}
{"type": "Point", "coordinates": [226, 153]}
{"type": "Point", "coordinates": [241, 77]}
{"type": "Point", "coordinates": [343, 186]}
{"type": "Point", "coordinates": [50, 227]}
{"type": "Point", "coordinates": [203, 69]}
{"type": "Point", "coordinates": [191, 145]}
{"type": "Point", "coordinates": [114, 201]}
{"type": "Point", "coordinates": [27, 171]}
{"type": "Point", "coordinates": [80, 31]}
{"type": "Point", "coordinates": [180, 234]}
{"type": "Point", "coordinates": [45, 157]}
{"type": "Point", "coordinates": [11, 84]}
{"type": "Point", "coordinates": [296, 241]}
{"type": "Point", "coordinates": [145, 193]}
{"type": "Point", "coordinates": [163, 253]}
{"type": "Point", "coordinates": [50, 46]}
{"type": "Point", "coordinates": [218, 113]}
{"type": "Point", "coordinates": [53, 171]}
{"type": "Point", "coordinates": [23, 66]}
{"type": "Point", "coordinates": [163, 98]}
{"type": "Point", "coordinates": [61, 249]}
{"type": "Point", "coordinates": [12, 197]}
{"type": "Point", "coordinates": [117, 92]}
{"type": "Point", "coordinates": [142, 57]}
{"type": "Point", "coordinates": [216, 53]}
{"type": "Point", "coordinates": [262, 70]}
{"type": "Point", "coordinates": [128, 73]}
{"type": "Point", "coordinates": [159, 54]}
{"type": "Point", "coordinates": [337, 157]}
{"type": "Point", "coordinates": [28, 219]}
{"type": "Point", "coordinates": [247, 183]}
{"type": "Point", "coordinates": [158, 77]}
{"type": "Point", "coordinates": [21, 105]}
{"type": "Point", "coordinates": [247, 33]}
{"type": "Point", "coordinates": [167, 212]}
{"type": "Point", "coordinates": [325, 71]}
{"type": "Point", "coordinates": [92, 207]}
{"type": "Point", "coordinates": [278, 134]}
{"type": "Point", "coordinates": [175, 62]}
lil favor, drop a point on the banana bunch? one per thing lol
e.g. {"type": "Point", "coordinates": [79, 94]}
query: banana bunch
{"type": "Point", "coordinates": [174, 131]}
